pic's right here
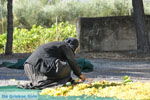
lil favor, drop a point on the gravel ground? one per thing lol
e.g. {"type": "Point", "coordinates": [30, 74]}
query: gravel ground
{"type": "Point", "coordinates": [104, 69]}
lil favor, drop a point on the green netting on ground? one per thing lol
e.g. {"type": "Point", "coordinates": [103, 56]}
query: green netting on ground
{"type": "Point", "coordinates": [15, 88]}
{"type": "Point", "coordinates": [14, 93]}
{"type": "Point", "coordinates": [74, 98]}
{"type": "Point", "coordinates": [85, 65]}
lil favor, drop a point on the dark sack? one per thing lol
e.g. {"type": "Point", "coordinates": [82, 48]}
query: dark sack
{"type": "Point", "coordinates": [45, 65]}
{"type": "Point", "coordinates": [53, 67]}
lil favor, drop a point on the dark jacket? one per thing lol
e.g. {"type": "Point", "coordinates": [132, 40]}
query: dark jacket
{"type": "Point", "coordinates": [59, 50]}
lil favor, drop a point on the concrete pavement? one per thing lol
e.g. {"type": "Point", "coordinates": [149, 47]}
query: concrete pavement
{"type": "Point", "coordinates": [104, 69]}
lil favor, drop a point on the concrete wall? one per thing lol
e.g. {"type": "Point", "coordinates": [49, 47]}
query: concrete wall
{"type": "Point", "coordinates": [108, 33]}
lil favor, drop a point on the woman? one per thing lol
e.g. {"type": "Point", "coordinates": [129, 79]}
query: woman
{"type": "Point", "coordinates": [51, 64]}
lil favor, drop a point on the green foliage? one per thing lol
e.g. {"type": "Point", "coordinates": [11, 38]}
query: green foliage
{"type": "Point", "coordinates": [44, 13]}
{"type": "Point", "coordinates": [27, 40]}
{"type": "Point", "coordinates": [126, 79]}
{"type": "Point", "coordinates": [48, 12]}
{"type": "Point", "coordinates": [122, 8]}
{"type": "Point", "coordinates": [25, 12]}
{"type": "Point", "coordinates": [3, 9]}
{"type": "Point", "coordinates": [2, 42]}
{"type": "Point", "coordinates": [147, 7]}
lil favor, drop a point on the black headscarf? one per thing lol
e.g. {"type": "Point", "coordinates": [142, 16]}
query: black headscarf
{"type": "Point", "coordinates": [72, 42]}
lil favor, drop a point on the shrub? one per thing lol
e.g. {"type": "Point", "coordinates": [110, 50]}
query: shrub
{"type": "Point", "coordinates": [3, 16]}
{"type": "Point", "coordinates": [25, 12]}
{"type": "Point", "coordinates": [27, 40]}
{"type": "Point", "coordinates": [45, 13]}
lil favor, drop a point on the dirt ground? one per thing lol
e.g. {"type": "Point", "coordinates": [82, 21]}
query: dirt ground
{"type": "Point", "coordinates": [108, 66]}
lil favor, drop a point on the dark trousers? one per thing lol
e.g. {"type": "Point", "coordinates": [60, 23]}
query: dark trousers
{"type": "Point", "coordinates": [40, 80]}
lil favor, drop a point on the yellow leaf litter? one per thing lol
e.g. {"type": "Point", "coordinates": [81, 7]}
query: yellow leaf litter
{"type": "Point", "coordinates": [134, 90]}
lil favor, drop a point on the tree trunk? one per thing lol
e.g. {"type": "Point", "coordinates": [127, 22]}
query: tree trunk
{"type": "Point", "coordinates": [9, 42]}
{"type": "Point", "coordinates": [139, 20]}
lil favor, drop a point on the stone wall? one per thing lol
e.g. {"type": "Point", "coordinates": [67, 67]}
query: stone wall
{"type": "Point", "coordinates": [108, 33]}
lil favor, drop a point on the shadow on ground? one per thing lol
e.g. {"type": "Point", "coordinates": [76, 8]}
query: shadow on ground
{"type": "Point", "coordinates": [104, 69]}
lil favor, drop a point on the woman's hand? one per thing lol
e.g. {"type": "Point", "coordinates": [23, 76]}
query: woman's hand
{"type": "Point", "coordinates": [82, 77]}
